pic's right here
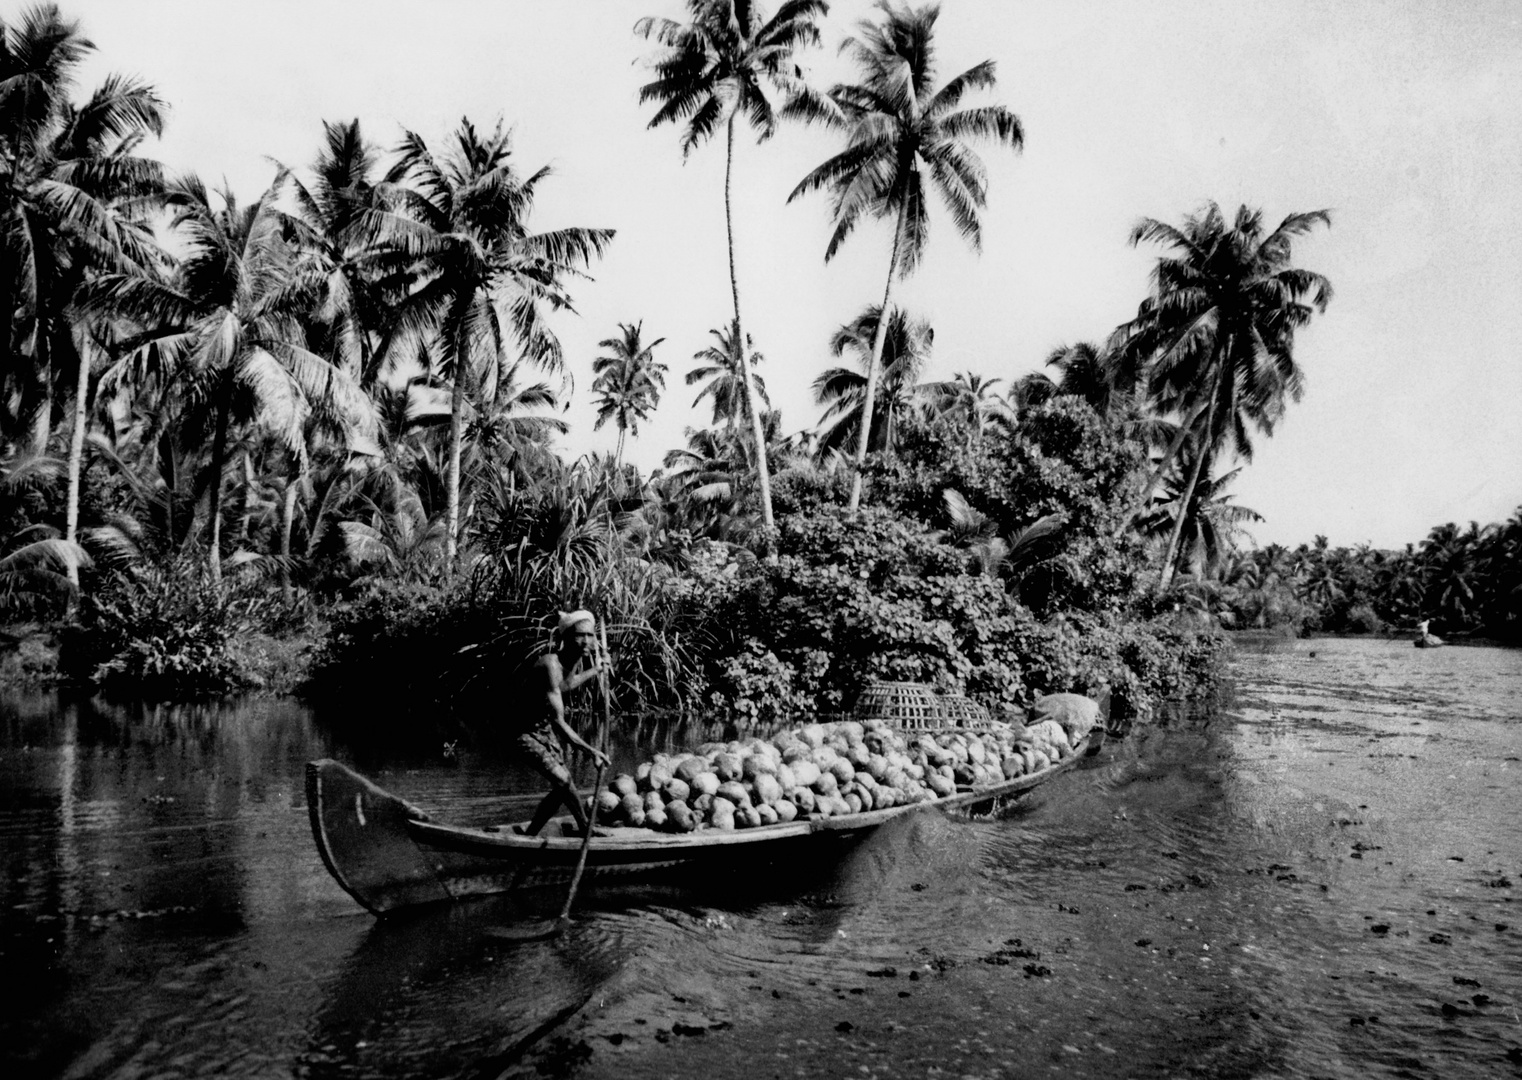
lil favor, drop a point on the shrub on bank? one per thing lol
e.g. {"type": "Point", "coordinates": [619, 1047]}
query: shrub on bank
{"type": "Point", "coordinates": [160, 631]}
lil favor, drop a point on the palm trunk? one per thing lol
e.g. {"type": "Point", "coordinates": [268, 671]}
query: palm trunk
{"type": "Point", "coordinates": [1156, 475]}
{"type": "Point", "coordinates": [618, 454]}
{"type": "Point", "coordinates": [452, 503]}
{"type": "Point", "coordinates": [287, 514]}
{"type": "Point", "coordinates": [77, 454]}
{"type": "Point", "coordinates": [879, 338]}
{"type": "Point", "coordinates": [246, 515]}
{"type": "Point", "coordinates": [218, 459]}
{"type": "Point", "coordinates": [1187, 499]}
{"type": "Point", "coordinates": [763, 469]}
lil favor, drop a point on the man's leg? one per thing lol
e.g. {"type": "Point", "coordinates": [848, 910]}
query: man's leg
{"type": "Point", "coordinates": [547, 760]}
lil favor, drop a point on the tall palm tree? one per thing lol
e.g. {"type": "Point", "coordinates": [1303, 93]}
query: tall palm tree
{"type": "Point", "coordinates": [717, 68]}
{"type": "Point", "coordinates": [1215, 340]}
{"type": "Point", "coordinates": [905, 348]}
{"type": "Point", "coordinates": [338, 215]}
{"type": "Point", "coordinates": [723, 368]}
{"type": "Point", "coordinates": [68, 174]}
{"type": "Point", "coordinates": [898, 128]}
{"type": "Point", "coordinates": [485, 284]}
{"type": "Point", "coordinates": [226, 329]}
{"type": "Point", "coordinates": [629, 382]}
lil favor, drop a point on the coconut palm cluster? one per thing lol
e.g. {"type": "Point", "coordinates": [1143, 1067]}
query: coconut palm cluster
{"type": "Point", "coordinates": [823, 770]}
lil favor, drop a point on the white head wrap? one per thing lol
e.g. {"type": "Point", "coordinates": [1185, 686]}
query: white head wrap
{"type": "Point", "coordinates": [572, 621]}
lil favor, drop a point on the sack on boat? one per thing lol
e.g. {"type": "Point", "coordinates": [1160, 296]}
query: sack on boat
{"type": "Point", "coordinates": [1077, 714]}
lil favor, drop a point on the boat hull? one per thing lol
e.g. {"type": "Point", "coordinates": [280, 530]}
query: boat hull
{"type": "Point", "coordinates": [390, 855]}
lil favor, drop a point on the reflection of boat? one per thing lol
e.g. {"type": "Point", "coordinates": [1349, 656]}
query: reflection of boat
{"type": "Point", "coordinates": [389, 854]}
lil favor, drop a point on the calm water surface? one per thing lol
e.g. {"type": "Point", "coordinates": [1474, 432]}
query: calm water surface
{"type": "Point", "coordinates": [1320, 880]}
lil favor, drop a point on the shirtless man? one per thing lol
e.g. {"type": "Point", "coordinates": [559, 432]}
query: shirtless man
{"type": "Point", "coordinates": [541, 724]}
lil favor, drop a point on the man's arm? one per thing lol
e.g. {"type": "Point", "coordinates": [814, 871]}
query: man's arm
{"type": "Point", "coordinates": [559, 684]}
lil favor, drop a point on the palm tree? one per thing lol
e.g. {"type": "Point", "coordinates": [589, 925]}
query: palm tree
{"type": "Point", "coordinates": [968, 398]}
{"type": "Point", "coordinates": [226, 329]}
{"type": "Point", "coordinates": [66, 173]}
{"type": "Point", "coordinates": [485, 284]}
{"type": "Point", "coordinates": [905, 348]}
{"type": "Point", "coordinates": [1213, 523]}
{"type": "Point", "coordinates": [715, 69]}
{"type": "Point", "coordinates": [898, 128]}
{"type": "Point", "coordinates": [629, 382]}
{"type": "Point", "coordinates": [726, 370]}
{"type": "Point", "coordinates": [339, 215]}
{"type": "Point", "coordinates": [1215, 340]}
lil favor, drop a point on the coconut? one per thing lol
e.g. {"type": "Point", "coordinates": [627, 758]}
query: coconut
{"type": "Point", "coordinates": [752, 765]}
{"type": "Point", "coordinates": [805, 773]}
{"type": "Point", "coordinates": [768, 789]}
{"type": "Point", "coordinates": [844, 771]}
{"type": "Point", "coordinates": [747, 817]}
{"type": "Point", "coordinates": [785, 809]}
{"type": "Point", "coordinates": [1013, 766]}
{"type": "Point", "coordinates": [813, 734]}
{"type": "Point", "coordinates": [701, 804]}
{"type": "Point", "coordinates": [768, 814]}
{"type": "Point", "coordinates": [734, 793]}
{"type": "Point", "coordinates": [721, 805]}
{"type": "Point", "coordinates": [623, 784]}
{"type": "Point", "coordinates": [786, 778]}
{"type": "Point", "coordinates": [853, 801]}
{"type": "Point", "coordinates": [877, 765]}
{"type": "Point", "coordinates": [858, 755]}
{"type": "Point", "coordinates": [727, 766]}
{"type": "Point", "coordinates": [802, 798]}
{"type": "Point", "coordinates": [660, 776]}
{"type": "Point", "coordinates": [656, 818]}
{"type": "Point", "coordinates": [679, 817]}
{"type": "Point", "coordinates": [963, 774]}
{"type": "Point", "coordinates": [827, 784]}
{"type": "Point", "coordinates": [976, 752]}
{"type": "Point", "coordinates": [642, 775]}
{"type": "Point", "coordinates": [722, 822]}
{"type": "Point", "coordinates": [689, 767]}
{"type": "Point", "coordinates": [607, 803]}
{"type": "Point", "coordinates": [852, 730]}
{"type": "Point", "coordinates": [823, 756]}
{"type": "Point", "coordinates": [864, 780]}
{"type": "Point", "coordinates": [941, 785]}
{"type": "Point", "coordinates": [652, 801]}
{"type": "Point", "coordinates": [705, 783]}
{"type": "Point", "coordinates": [796, 751]}
{"type": "Point", "coordinates": [676, 790]}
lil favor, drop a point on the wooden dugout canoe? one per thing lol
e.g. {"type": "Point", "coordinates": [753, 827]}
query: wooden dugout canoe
{"type": "Point", "coordinates": [389, 854]}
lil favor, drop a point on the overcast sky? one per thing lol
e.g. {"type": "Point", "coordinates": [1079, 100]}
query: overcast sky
{"type": "Point", "coordinates": [1402, 118]}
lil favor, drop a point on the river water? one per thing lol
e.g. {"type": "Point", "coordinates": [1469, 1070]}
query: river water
{"type": "Point", "coordinates": [1318, 880]}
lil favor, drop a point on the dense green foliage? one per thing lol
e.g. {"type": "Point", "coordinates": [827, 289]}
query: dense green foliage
{"type": "Point", "coordinates": [1466, 581]}
{"type": "Point", "coordinates": [331, 408]}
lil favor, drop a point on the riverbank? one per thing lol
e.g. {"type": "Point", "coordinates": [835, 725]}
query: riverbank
{"type": "Point", "coordinates": [263, 664]}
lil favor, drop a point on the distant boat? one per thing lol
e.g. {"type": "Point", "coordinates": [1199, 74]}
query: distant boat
{"type": "Point", "coordinates": [1424, 639]}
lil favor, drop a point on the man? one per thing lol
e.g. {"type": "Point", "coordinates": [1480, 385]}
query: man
{"type": "Point", "coordinates": [541, 725]}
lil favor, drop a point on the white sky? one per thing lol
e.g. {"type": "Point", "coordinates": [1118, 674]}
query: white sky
{"type": "Point", "coordinates": [1402, 117]}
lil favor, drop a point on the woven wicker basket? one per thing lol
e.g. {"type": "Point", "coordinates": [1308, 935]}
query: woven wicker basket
{"type": "Point", "coordinates": [918, 707]}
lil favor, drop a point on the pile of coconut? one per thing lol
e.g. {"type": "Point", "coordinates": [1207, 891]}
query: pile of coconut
{"type": "Point", "coordinates": [824, 770]}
